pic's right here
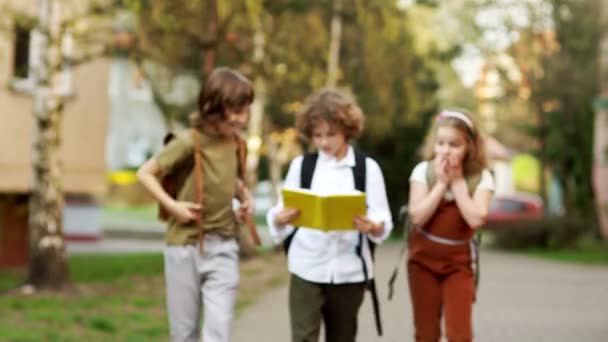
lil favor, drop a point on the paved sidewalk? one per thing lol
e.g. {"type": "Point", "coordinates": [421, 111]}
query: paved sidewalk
{"type": "Point", "coordinates": [520, 299]}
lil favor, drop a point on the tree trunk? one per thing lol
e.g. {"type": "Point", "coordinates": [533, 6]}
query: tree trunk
{"type": "Point", "coordinates": [209, 52]}
{"type": "Point", "coordinates": [48, 264]}
{"type": "Point", "coordinates": [255, 129]}
{"type": "Point", "coordinates": [542, 155]}
{"type": "Point", "coordinates": [274, 164]}
{"type": "Point", "coordinates": [600, 143]}
{"type": "Point", "coordinates": [333, 61]}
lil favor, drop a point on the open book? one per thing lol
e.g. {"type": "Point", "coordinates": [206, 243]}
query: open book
{"type": "Point", "coordinates": [331, 212]}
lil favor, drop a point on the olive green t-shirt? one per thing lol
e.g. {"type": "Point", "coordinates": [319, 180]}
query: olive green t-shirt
{"type": "Point", "coordinates": [219, 166]}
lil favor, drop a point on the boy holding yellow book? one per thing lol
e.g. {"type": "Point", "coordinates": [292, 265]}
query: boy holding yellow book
{"type": "Point", "coordinates": [331, 212]}
{"type": "Point", "coordinates": [328, 230]}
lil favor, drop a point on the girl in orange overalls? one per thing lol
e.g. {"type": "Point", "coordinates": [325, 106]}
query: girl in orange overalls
{"type": "Point", "coordinates": [449, 198]}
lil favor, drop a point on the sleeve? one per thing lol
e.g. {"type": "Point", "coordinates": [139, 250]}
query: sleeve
{"type": "Point", "coordinates": [487, 181]}
{"type": "Point", "coordinates": [419, 173]}
{"type": "Point", "coordinates": [378, 209]}
{"type": "Point", "coordinates": [292, 180]}
{"type": "Point", "coordinates": [174, 153]}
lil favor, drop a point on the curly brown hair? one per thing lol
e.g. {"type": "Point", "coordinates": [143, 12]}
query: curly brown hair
{"type": "Point", "coordinates": [225, 89]}
{"type": "Point", "coordinates": [475, 160]}
{"type": "Point", "coordinates": [337, 108]}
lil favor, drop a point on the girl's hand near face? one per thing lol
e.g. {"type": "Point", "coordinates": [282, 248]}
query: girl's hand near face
{"type": "Point", "coordinates": [286, 216]}
{"type": "Point", "coordinates": [441, 170]}
{"type": "Point", "coordinates": [455, 173]}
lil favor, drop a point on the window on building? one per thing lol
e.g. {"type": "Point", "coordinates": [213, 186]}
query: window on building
{"type": "Point", "coordinates": [21, 62]}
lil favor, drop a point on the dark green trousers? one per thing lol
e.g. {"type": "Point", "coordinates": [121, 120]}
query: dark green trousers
{"type": "Point", "coordinates": [336, 304]}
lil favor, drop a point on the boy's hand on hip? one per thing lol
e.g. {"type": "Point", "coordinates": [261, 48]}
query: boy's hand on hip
{"type": "Point", "coordinates": [185, 212]}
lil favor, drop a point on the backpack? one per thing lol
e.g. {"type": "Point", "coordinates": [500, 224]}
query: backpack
{"type": "Point", "coordinates": [309, 163]}
{"type": "Point", "coordinates": [173, 181]}
{"type": "Point", "coordinates": [404, 222]}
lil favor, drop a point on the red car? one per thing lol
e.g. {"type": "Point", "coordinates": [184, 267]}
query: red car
{"type": "Point", "coordinates": [515, 207]}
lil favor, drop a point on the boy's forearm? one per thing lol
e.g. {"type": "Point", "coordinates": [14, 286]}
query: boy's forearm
{"type": "Point", "coordinates": [152, 184]}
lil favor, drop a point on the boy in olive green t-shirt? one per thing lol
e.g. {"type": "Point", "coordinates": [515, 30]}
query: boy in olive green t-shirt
{"type": "Point", "coordinates": [209, 275]}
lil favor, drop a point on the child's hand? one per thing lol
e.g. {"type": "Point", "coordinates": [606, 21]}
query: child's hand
{"type": "Point", "coordinates": [459, 186]}
{"type": "Point", "coordinates": [441, 170]}
{"type": "Point", "coordinates": [367, 226]}
{"type": "Point", "coordinates": [185, 212]}
{"type": "Point", "coordinates": [285, 216]}
{"type": "Point", "coordinates": [246, 208]}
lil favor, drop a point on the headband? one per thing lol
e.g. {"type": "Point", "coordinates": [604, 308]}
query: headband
{"type": "Point", "coordinates": [459, 116]}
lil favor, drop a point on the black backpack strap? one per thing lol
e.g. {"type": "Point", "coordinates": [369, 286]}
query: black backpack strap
{"type": "Point", "coordinates": [359, 171]}
{"type": "Point", "coordinates": [359, 174]}
{"type": "Point", "coordinates": [309, 162]}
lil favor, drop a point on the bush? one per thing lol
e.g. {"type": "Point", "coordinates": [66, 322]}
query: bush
{"type": "Point", "coordinates": [553, 232]}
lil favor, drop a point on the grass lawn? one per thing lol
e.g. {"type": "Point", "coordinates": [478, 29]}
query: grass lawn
{"type": "Point", "coordinates": [119, 298]}
{"type": "Point", "coordinates": [586, 252]}
{"type": "Point", "coordinates": [140, 213]}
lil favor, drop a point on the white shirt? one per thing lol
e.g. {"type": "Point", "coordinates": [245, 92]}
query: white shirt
{"type": "Point", "coordinates": [419, 175]}
{"type": "Point", "coordinates": [330, 257]}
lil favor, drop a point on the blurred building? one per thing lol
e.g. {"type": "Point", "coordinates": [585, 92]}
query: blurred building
{"type": "Point", "coordinates": [136, 124]}
{"type": "Point", "coordinates": [83, 138]}
{"type": "Point", "coordinates": [499, 158]}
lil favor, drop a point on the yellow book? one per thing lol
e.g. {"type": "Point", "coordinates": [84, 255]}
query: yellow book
{"type": "Point", "coordinates": [330, 212]}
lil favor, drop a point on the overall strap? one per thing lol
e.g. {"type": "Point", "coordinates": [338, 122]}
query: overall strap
{"type": "Point", "coordinates": [309, 162]}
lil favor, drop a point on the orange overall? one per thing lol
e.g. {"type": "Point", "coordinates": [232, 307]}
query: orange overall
{"type": "Point", "coordinates": [441, 276]}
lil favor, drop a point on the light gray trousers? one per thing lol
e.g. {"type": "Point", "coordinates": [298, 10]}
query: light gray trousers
{"type": "Point", "coordinates": [210, 280]}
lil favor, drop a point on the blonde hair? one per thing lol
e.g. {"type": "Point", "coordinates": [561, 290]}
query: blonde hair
{"type": "Point", "coordinates": [475, 158]}
{"type": "Point", "coordinates": [336, 108]}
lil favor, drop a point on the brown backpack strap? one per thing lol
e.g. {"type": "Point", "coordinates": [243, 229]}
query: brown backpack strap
{"type": "Point", "coordinates": [241, 151]}
{"type": "Point", "coordinates": [197, 172]}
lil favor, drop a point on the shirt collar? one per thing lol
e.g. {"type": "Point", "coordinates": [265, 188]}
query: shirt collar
{"type": "Point", "coordinates": [348, 160]}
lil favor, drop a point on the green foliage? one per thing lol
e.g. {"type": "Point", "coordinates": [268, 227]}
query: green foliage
{"type": "Point", "coordinates": [393, 82]}
{"type": "Point", "coordinates": [565, 93]}
{"type": "Point", "coordinates": [390, 71]}
{"type": "Point", "coordinates": [553, 233]}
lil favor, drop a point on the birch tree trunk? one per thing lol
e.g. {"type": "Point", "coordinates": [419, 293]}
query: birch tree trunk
{"type": "Point", "coordinates": [48, 265]}
{"type": "Point", "coordinates": [255, 126]}
{"type": "Point", "coordinates": [600, 143]}
{"type": "Point", "coordinates": [333, 60]}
